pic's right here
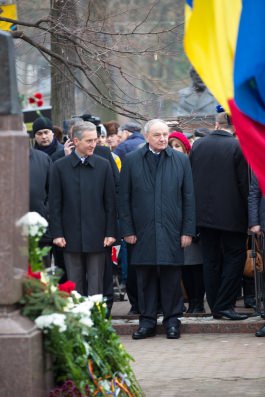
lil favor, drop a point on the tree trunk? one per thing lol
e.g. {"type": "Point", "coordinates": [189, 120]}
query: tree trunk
{"type": "Point", "coordinates": [62, 88]}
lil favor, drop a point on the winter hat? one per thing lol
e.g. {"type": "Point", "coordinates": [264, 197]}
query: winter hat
{"type": "Point", "coordinates": [132, 127]}
{"type": "Point", "coordinates": [42, 123]}
{"type": "Point", "coordinates": [181, 137]}
{"type": "Point", "coordinates": [201, 132]}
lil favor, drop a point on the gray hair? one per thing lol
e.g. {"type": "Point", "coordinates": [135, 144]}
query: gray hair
{"type": "Point", "coordinates": [80, 128]}
{"type": "Point", "coordinates": [74, 121]}
{"type": "Point", "coordinates": [150, 123]}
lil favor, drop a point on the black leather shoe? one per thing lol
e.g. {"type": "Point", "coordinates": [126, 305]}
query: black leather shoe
{"type": "Point", "coordinates": [191, 307]}
{"type": "Point", "coordinates": [261, 332]}
{"type": "Point", "coordinates": [133, 312]}
{"type": "Point", "coordinates": [143, 333]}
{"type": "Point", "coordinates": [198, 309]}
{"type": "Point", "coordinates": [230, 314]}
{"type": "Point", "coordinates": [173, 333]}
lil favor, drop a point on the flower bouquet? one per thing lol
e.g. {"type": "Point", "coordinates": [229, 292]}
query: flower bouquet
{"type": "Point", "coordinates": [87, 358]}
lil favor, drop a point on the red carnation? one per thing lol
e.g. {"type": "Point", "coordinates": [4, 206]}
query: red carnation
{"type": "Point", "coordinates": [38, 95]}
{"type": "Point", "coordinates": [32, 274]}
{"type": "Point", "coordinates": [31, 100]}
{"type": "Point", "coordinates": [68, 287]}
{"type": "Point", "coordinates": [40, 103]}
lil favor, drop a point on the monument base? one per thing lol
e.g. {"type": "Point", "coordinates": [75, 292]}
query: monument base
{"type": "Point", "coordinates": [22, 367]}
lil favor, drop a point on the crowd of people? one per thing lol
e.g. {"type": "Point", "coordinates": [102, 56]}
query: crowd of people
{"type": "Point", "coordinates": [179, 207]}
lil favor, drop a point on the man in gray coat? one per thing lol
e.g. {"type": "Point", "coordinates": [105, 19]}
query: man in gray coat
{"type": "Point", "coordinates": [83, 210]}
{"type": "Point", "coordinates": [157, 217]}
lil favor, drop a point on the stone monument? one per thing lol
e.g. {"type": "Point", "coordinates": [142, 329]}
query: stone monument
{"type": "Point", "coordinates": [195, 100]}
{"type": "Point", "coordinates": [21, 363]}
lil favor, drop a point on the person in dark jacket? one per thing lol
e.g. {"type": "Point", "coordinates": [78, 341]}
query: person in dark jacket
{"type": "Point", "coordinates": [40, 166]}
{"type": "Point", "coordinates": [44, 136]}
{"type": "Point", "coordinates": [83, 210]}
{"type": "Point", "coordinates": [220, 177]}
{"type": "Point", "coordinates": [256, 222]}
{"type": "Point", "coordinates": [104, 152]}
{"type": "Point", "coordinates": [131, 139]}
{"type": "Point", "coordinates": [157, 217]}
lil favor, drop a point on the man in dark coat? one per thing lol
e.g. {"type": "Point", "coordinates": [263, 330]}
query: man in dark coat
{"type": "Point", "coordinates": [131, 138]}
{"type": "Point", "coordinates": [157, 217]}
{"type": "Point", "coordinates": [220, 177]}
{"type": "Point", "coordinates": [104, 152]}
{"type": "Point", "coordinates": [83, 210]}
{"type": "Point", "coordinates": [39, 174]}
{"type": "Point", "coordinates": [40, 166]}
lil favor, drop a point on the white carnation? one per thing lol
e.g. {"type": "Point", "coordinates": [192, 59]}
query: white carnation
{"type": "Point", "coordinates": [96, 298]}
{"type": "Point", "coordinates": [31, 224]}
{"type": "Point", "coordinates": [83, 308]}
{"type": "Point", "coordinates": [51, 320]}
{"type": "Point", "coordinates": [86, 321]}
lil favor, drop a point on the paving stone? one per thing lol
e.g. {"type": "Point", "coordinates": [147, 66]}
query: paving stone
{"type": "Point", "coordinates": [196, 365]}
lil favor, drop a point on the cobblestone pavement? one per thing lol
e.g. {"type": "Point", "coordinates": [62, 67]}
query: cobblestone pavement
{"type": "Point", "coordinates": [199, 365]}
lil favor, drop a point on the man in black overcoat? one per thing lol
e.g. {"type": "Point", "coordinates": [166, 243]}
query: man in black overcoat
{"type": "Point", "coordinates": [104, 152]}
{"type": "Point", "coordinates": [157, 217]}
{"type": "Point", "coordinates": [83, 210]}
{"type": "Point", "coordinates": [220, 177]}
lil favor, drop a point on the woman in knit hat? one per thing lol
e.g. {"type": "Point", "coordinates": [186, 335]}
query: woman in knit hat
{"type": "Point", "coordinates": [179, 142]}
{"type": "Point", "coordinates": [192, 270]}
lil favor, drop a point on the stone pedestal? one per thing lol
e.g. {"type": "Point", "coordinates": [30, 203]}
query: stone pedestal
{"type": "Point", "coordinates": [21, 365]}
{"type": "Point", "coordinates": [21, 356]}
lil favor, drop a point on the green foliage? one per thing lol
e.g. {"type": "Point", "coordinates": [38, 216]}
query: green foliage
{"type": "Point", "coordinates": [40, 298]}
{"type": "Point", "coordinates": [90, 355]}
{"type": "Point", "coordinates": [36, 253]}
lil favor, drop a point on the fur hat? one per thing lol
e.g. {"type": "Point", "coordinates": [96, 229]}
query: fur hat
{"type": "Point", "coordinates": [42, 123]}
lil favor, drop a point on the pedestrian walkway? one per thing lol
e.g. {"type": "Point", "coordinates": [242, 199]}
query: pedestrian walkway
{"type": "Point", "coordinates": [199, 365]}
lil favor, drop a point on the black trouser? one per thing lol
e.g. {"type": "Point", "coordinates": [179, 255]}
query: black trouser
{"type": "Point", "coordinates": [224, 255]}
{"type": "Point", "coordinates": [149, 290]}
{"type": "Point", "coordinates": [131, 283]}
{"type": "Point", "coordinates": [59, 261]}
{"type": "Point", "coordinates": [192, 277]}
{"type": "Point", "coordinates": [108, 279]}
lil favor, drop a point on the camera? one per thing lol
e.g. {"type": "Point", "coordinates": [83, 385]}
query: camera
{"type": "Point", "coordinates": [92, 119]}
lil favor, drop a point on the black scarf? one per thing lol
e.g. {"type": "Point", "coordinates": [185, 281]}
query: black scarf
{"type": "Point", "coordinates": [50, 149]}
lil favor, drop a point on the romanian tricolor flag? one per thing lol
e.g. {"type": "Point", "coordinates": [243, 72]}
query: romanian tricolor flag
{"type": "Point", "coordinates": [225, 42]}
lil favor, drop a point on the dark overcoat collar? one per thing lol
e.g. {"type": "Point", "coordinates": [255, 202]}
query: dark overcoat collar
{"type": "Point", "coordinates": [222, 133]}
{"type": "Point", "coordinates": [75, 160]}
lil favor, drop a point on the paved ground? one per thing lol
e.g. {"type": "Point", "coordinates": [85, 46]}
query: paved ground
{"type": "Point", "coordinates": [208, 365]}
